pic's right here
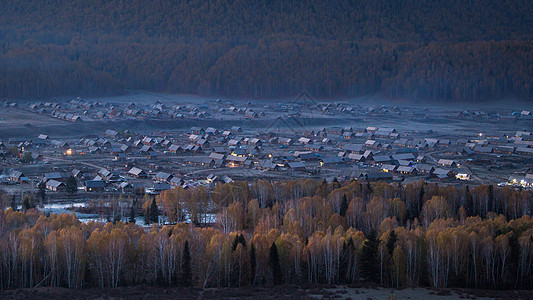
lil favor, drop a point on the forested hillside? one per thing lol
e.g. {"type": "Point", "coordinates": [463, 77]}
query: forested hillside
{"type": "Point", "coordinates": [439, 50]}
{"type": "Point", "coordinates": [295, 232]}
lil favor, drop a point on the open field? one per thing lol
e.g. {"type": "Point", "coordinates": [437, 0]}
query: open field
{"type": "Point", "coordinates": [338, 292]}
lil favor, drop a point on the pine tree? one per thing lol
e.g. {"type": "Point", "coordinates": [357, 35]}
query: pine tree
{"type": "Point", "coordinates": [492, 206]}
{"type": "Point", "coordinates": [154, 212]}
{"type": "Point", "coordinates": [513, 280]}
{"type": "Point", "coordinates": [42, 191]}
{"type": "Point", "coordinates": [420, 200]}
{"type": "Point", "coordinates": [132, 215]}
{"type": "Point", "coordinates": [27, 203]}
{"type": "Point", "coordinates": [71, 186]}
{"type": "Point", "coordinates": [147, 216]}
{"type": "Point", "coordinates": [344, 206]}
{"type": "Point", "coordinates": [253, 263]}
{"type": "Point", "coordinates": [186, 274]}
{"type": "Point", "coordinates": [343, 263]}
{"type": "Point", "coordinates": [116, 218]}
{"type": "Point", "coordinates": [13, 203]}
{"type": "Point", "coordinates": [368, 188]}
{"type": "Point", "coordinates": [273, 260]}
{"type": "Point", "coordinates": [235, 243]}
{"type": "Point", "coordinates": [239, 239]}
{"type": "Point", "coordinates": [369, 258]}
{"type": "Point", "coordinates": [391, 242]}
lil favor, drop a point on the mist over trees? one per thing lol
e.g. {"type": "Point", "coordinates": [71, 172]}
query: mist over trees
{"type": "Point", "coordinates": [435, 50]}
{"type": "Point", "coordinates": [391, 235]}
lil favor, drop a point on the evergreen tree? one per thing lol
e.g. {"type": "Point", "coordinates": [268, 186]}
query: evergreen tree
{"type": "Point", "coordinates": [273, 261]}
{"type": "Point", "coordinates": [132, 215]}
{"type": "Point", "coordinates": [253, 263]}
{"type": "Point", "coordinates": [13, 203]}
{"type": "Point", "coordinates": [344, 206]}
{"type": "Point", "coordinates": [26, 158]}
{"type": "Point", "coordinates": [186, 275]}
{"type": "Point", "coordinates": [27, 203]}
{"type": "Point", "coordinates": [369, 259]}
{"type": "Point", "coordinates": [343, 263]}
{"type": "Point", "coordinates": [154, 212]}
{"type": "Point", "coordinates": [492, 206]}
{"type": "Point", "coordinates": [420, 199]}
{"type": "Point", "coordinates": [42, 191]}
{"type": "Point", "coordinates": [71, 185]}
{"type": "Point", "coordinates": [147, 216]}
{"type": "Point", "coordinates": [368, 188]}
{"type": "Point", "coordinates": [514, 262]}
{"type": "Point", "coordinates": [116, 218]}
{"type": "Point", "coordinates": [239, 239]}
{"type": "Point", "coordinates": [391, 242]}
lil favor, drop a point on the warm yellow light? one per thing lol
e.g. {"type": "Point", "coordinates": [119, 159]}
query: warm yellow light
{"type": "Point", "coordinates": [69, 152]}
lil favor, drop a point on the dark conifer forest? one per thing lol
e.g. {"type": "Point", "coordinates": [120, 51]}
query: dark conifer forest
{"type": "Point", "coordinates": [453, 50]}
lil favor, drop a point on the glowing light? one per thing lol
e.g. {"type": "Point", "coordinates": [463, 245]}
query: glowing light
{"type": "Point", "coordinates": [68, 152]}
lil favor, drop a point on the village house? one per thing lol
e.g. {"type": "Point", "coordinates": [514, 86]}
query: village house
{"type": "Point", "coordinates": [55, 186]}
{"type": "Point", "coordinates": [267, 165]}
{"type": "Point", "coordinates": [406, 170]}
{"type": "Point", "coordinates": [59, 176]}
{"type": "Point", "coordinates": [382, 159]}
{"type": "Point", "coordinates": [305, 141]}
{"type": "Point", "coordinates": [197, 130]}
{"type": "Point", "coordinates": [220, 150]}
{"type": "Point", "coordinates": [315, 148]}
{"type": "Point", "coordinates": [388, 168]}
{"type": "Point", "coordinates": [217, 157]}
{"type": "Point", "coordinates": [234, 143]}
{"type": "Point", "coordinates": [176, 182]}
{"type": "Point", "coordinates": [175, 149]}
{"type": "Point", "coordinates": [376, 176]}
{"type": "Point", "coordinates": [162, 177]}
{"type": "Point", "coordinates": [356, 157]}
{"type": "Point", "coordinates": [111, 134]}
{"type": "Point", "coordinates": [136, 172]}
{"type": "Point", "coordinates": [17, 177]}
{"type": "Point", "coordinates": [285, 141]}
{"type": "Point", "coordinates": [331, 161]}
{"type": "Point", "coordinates": [443, 173]}
{"type": "Point", "coordinates": [296, 166]}
{"type": "Point", "coordinates": [425, 169]}
{"type": "Point", "coordinates": [126, 188]}
{"type": "Point", "coordinates": [235, 161]}
{"type": "Point", "coordinates": [372, 144]}
{"type": "Point", "coordinates": [94, 186]}
{"type": "Point", "coordinates": [202, 161]}
{"type": "Point", "coordinates": [447, 163]}
{"type": "Point", "coordinates": [353, 148]}
{"type": "Point", "coordinates": [146, 149]}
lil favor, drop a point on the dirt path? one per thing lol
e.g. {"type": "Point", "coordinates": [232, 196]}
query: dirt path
{"type": "Point", "coordinates": [73, 161]}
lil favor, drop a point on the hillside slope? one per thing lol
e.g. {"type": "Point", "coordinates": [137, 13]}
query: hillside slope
{"type": "Point", "coordinates": [435, 49]}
